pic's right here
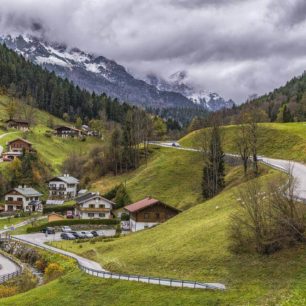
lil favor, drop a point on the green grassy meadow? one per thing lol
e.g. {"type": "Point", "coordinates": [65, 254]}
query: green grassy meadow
{"type": "Point", "coordinates": [278, 140]}
{"type": "Point", "coordinates": [194, 245]}
{"type": "Point", "coordinates": [54, 150]}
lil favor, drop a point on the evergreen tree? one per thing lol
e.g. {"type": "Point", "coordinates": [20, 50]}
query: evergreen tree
{"type": "Point", "coordinates": [213, 171]}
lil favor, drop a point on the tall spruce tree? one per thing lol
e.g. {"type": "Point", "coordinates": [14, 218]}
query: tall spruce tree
{"type": "Point", "coordinates": [213, 171]}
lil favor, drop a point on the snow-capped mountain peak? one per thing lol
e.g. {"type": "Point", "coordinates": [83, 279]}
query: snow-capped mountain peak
{"type": "Point", "coordinates": [178, 82]}
{"type": "Point", "coordinates": [99, 74]}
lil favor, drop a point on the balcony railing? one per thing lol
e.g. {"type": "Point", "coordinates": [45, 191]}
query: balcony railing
{"type": "Point", "coordinates": [57, 188]}
{"type": "Point", "coordinates": [14, 202]}
{"type": "Point", "coordinates": [93, 209]}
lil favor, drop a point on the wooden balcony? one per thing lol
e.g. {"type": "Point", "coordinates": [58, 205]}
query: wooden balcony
{"type": "Point", "coordinates": [98, 210]}
{"type": "Point", "coordinates": [14, 203]}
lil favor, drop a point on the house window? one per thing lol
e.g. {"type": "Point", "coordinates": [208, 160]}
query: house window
{"type": "Point", "coordinates": [10, 199]}
{"type": "Point", "coordinates": [91, 205]}
{"type": "Point", "coordinates": [91, 215]}
{"type": "Point", "coordinates": [101, 215]}
{"type": "Point", "coordinates": [19, 199]}
{"type": "Point", "coordinates": [102, 206]}
{"type": "Point", "coordinates": [146, 216]}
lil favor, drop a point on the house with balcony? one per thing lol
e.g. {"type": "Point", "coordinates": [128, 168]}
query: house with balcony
{"type": "Point", "coordinates": [22, 198]}
{"type": "Point", "coordinates": [93, 206]}
{"type": "Point", "coordinates": [63, 187]}
{"type": "Point", "coordinates": [16, 148]}
{"type": "Point", "coordinates": [66, 131]}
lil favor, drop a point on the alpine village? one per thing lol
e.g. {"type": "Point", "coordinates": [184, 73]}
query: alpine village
{"type": "Point", "coordinates": [122, 186]}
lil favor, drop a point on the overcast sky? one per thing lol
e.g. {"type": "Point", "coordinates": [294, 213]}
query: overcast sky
{"type": "Point", "coordinates": [233, 47]}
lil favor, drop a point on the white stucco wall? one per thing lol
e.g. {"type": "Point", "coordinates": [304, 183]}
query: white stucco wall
{"type": "Point", "coordinates": [138, 226]}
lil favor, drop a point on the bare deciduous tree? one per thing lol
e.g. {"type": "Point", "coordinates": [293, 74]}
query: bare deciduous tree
{"type": "Point", "coordinates": [268, 217]}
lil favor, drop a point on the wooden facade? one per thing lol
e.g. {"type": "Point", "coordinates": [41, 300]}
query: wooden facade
{"type": "Point", "coordinates": [18, 124]}
{"type": "Point", "coordinates": [19, 145]}
{"type": "Point", "coordinates": [157, 213]}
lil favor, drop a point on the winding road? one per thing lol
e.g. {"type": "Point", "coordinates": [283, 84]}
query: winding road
{"type": "Point", "coordinates": [298, 170]}
{"type": "Point", "coordinates": [7, 266]}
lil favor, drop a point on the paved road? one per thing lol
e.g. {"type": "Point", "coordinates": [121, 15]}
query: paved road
{"type": "Point", "coordinates": [8, 266]}
{"type": "Point", "coordinates": [39, 240]}
{"type": "Point", "coordinates": [298, 169]}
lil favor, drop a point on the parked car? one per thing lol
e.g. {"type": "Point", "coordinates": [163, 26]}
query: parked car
{"type": "Point", "coordinates": [67, 236]}
{"type": "Point", "coordinates": [69, 214]}
{"type": "Point", "coordinates": [75, 234]}
{"type": "Point", "coordinates": [87, 234]}
{"type": "Point", "coordinates": [66, 229]}
{"type": "Point", "coordinates": [48, 230]}
{"type": "Point", "coordinates": [175, 144]}
{"type": "Point", "coordinates": [95, 233]}
{"type": "Point", "coordinates": [7, 158]}
{"type": "Point", "coordinates": [81, 235]}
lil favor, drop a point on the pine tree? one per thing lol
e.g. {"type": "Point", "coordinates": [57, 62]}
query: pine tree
{"type": "Point", "coordinates": [213, 171]}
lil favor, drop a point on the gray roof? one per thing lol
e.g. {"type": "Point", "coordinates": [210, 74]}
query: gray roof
{"type": "Point", "coordinates": [28, 192]}
{"type": "Point", "coordinates": [85, 197]}
{"type": "Point", "coordinates": [66, 179]}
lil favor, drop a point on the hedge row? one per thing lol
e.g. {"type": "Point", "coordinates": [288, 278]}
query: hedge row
{"type": "Point", "coordinates": [57, 208]}
{"type": "Point", "coordinates": [72, 222]}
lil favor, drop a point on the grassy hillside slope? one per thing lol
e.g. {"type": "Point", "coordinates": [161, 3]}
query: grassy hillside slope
{"type": "Point", "coordinates": [279, 140]}
{"type": "Point", "coordinates": [54, 150]}
{"type": "Point", "coordinates": [167, 176]}
{"type": "Point", "coordinates": [194, 245]}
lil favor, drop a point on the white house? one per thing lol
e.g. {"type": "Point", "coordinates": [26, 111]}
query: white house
{"type": "Point", "coordinates": [92, 206]}
{"type": "Point", "coordinates": [23, 198]}
{"type": "Point", "coordinates": [63, 187]}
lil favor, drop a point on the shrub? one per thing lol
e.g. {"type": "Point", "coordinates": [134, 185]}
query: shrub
{"type": "Point", "coordinates": [53, 270]}
{"type": "Point", "coordinates": [110, 195]}
{"type": "Point", "coordinates": [7, 291]}
{"type": "Point", "coordinates": [122, 197]}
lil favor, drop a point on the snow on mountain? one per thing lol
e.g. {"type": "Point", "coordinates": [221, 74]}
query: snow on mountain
{"type": "Point", "coordinates": [94, 73]}
{"type": "Point", "coordinates": [178, 82]}
{"type": "Point", "coordinates": [99, 74]}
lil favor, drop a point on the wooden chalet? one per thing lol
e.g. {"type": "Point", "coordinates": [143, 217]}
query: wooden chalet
{"type": "Point", "coordinates": [66, 131]}
{"type": "Point", "coordinates": [149, 212]}
{"type": "Point", "coordinates": [21, 125]}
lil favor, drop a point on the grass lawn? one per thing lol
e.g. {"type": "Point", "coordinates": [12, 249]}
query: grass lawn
{"type": "Point", "coordinates": [11, 221]}
{"type": "Point", "coordinates": [194, 245]}
{"type": "Point", "coordinates": [171, 175]}
{"type": "Point", "coordinates": [278, 140]}
{"type": "Point", "coordinates": [54, 150]}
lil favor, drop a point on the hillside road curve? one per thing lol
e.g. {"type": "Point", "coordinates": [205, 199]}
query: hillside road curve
{"type": "Point", "coordinates": [298, 169]}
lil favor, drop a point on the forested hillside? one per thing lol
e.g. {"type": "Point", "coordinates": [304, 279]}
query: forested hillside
{"type": "Point", "coordinates": [21, 78]}
{"type": "Point", "coordinates": [284, 104]}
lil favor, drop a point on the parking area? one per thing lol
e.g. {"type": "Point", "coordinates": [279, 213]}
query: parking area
{"type": "Point", "coordinates": [41, 238]}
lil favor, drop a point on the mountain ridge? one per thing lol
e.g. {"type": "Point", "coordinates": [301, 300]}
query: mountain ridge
{"type": "Point", "coordinates": [98, 74]}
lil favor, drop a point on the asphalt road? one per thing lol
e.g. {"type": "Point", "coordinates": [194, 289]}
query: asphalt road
{"type": "Point", "coordinates": [298, 170]}
{"type": "Point", "coordinates": [8, 266]}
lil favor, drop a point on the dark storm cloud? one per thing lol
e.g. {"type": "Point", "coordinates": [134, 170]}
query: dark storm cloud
{"type": "Point", "coordinates": [233, 47]}
{"type": "Point", "coordinates": [289, 13]}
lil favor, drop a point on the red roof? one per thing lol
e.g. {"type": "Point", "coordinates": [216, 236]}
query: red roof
{"type": "Point", "coordinates": [144, 204]}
